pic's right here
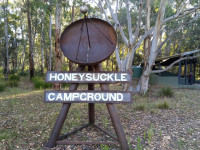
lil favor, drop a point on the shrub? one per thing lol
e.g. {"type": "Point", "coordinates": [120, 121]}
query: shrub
{"type": "Point", "coordinates": [13, 83]}
{"type": "Point", "coordinates": [39, 83]}
{"type": "Point", "coordinates": [163, 105]}
{"type": "Point", "coordinates": [13, 71]}
{"type": "Point", "coordinates": [65, 85]}
{"type": "Point", "coordinates": [140, 107]}
{"type": "Point", "coordinates": [23, 73]}
{"type": "Point", "coordinates": [166, 91]}
{"type": "Point", "coordinates": [2, 87]}
{"type": "Point", "coordinates": [14, 77]}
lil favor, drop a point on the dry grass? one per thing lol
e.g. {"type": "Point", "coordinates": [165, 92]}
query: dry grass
{"type": "Point", "coordinates": [26, 121]}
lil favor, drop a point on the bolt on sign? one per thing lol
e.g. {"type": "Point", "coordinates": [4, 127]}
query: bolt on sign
{"type": "Point", "coordinates": [88, 42]}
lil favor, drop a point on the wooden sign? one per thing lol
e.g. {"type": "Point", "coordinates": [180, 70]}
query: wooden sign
{"type": "Point", "coordinates": [87, 96]}
{"type": "Point", "coordinates": [88, 77]}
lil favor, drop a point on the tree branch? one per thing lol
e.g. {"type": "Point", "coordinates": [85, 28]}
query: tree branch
{"type": "Point", "coordinates": [129, 21]}
{"type": "Point", "coordinates": [117, 22]}
{"type": "Point", "coordinates": [175, 62]}
{"type": "Point", "coordinates": [175, 31]}
{"type": "Point", "coordinates": [135, 35]}
{"type": "Point", "coordinates": [181, 14]}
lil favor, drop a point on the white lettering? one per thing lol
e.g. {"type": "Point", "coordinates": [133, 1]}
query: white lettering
{"type": "Point", "coordinates": [68, 76]}
{"type": "Point", "coordinates": [116, 79]}
{"type": "Point", "coordinates": [90, 96]}
{"type": "Point", "coordinates": [123, 77]}
{"type": "Point", "coordinates": [119, 96]}
{"type": "Point", "coordinates": [81, 96]}
{"type": "Point", "coordinates": [112, 96]}
{"type": "Point", "coordinates": [109, 77]}
{"type": "Point", "coordinates": [67, 96]}
{"type": "Point", "coordinates": [89, 77]}
{"type": "Point", "coordinates": [101, 77]}
{"type": "Point", "coordinates": [104, 96]}
{"type": "Point", "coordinates": [81, 76]}
{"type": "Point", "coordinates": [59, 97]}
{"type": "Point", "coordinates": [97, 96]}
{"type": "Point", "coordinates": [95, 77]}
{"type": "Point", "coordinates": [74, 77]}
{"type": "Point", "coordinates": [53, 76]}
{"type": "Point", "coordinates": [60, 76]}
{"type": "Point", "coordinates": [51, 98]}
{"type": "Point", "coordinates": [75, 95]}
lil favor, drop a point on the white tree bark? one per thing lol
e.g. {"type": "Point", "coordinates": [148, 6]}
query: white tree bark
{"type": "Point", "coordinates": [142, 86]}
{"type": "Point", "coordinates": [147, 27]}
{"type": "Point", "coordinates": [133, 41]}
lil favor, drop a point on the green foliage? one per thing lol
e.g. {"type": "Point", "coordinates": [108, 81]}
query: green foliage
{"type": "Point", "coordinates": [13, 83]}
{"type": "Point", "coordinates": [138, 58]}
{"type": "Point", "coordinates": [163, 105]}
{"type": "Point", "coordinates": [140, 107]}
{"type": "Point", "coordinates": [23, 73]}
{"type": "Point", "coordinates": [13, 77]}
{"type": "Point", "coordinates": [166, 91]}
{"type": "Point", "coordinates": [39, 83]}
{"type": "Point", "coordinates": [13, 71]}
{"type": "Point", "coordinates": [2, 86]}
{"type": "Point", "coordinates": [104, 147]}
{"type": "Point", "coordinates": [65, 85]}
{"type": "Point", "coordinates": [150, 133]}
{"type": "Point", "coordinates": [139, 144]}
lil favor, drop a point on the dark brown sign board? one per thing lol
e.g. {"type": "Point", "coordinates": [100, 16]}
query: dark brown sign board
{"type": "Point", "coordinates": [87, 96]}
{"type": "Point", "coordinates": [88, 77]}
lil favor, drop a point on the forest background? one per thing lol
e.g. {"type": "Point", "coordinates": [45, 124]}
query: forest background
{"type": "Point", "coordinates": [147, 29]}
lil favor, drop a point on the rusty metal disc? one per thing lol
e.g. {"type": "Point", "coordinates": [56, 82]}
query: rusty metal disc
{"type": "Point", "coordinates": [88, 41]}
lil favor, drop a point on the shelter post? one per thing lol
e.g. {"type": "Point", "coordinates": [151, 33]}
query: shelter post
{"type": "Point", "coordinates": [185, 72]}
{"type": "Point", "coordinates": [179, 73]}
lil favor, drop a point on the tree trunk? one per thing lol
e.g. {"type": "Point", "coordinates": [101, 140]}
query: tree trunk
{"type": "Point", "coordinates": [147, 27]}
{"type": "Point", "coordinates": [6, 39]}
{"type": "Point", "coordinates": [31, 61]}
{"type": "Point", "coordinates": [50, 49]}
{"type": "Point", "coordinates": [24, 45]}
{"type": "Point", "coordinates": [58, 53]}
{"type": "Point", "coordinates": [42, 55]}
{"type": "Point", "coordinates": [142, 86]}
{"type": "Point", "coordinates": [71, 64]}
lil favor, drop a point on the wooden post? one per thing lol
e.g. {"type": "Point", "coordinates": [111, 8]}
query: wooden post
{"type": "Point", "coordinates": [179, 73]}
{"type": "Point", "coordinates": [185, 72]}
{"type": "Point", "coordinates": [159, 68]}
{"type": "Point", "coordinates": [194, 71]}
{"type": "Point", "coordinates": [91, 106]}
{"type": "Point", "coordinates": [191, 61]}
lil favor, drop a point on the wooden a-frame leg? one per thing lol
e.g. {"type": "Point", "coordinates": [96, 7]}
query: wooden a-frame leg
{"type": "Point", "coordinates": [61, 117]}
{"type": "Point", "coordinates": [117, 126]}
{"type": "Point", "coordinates": [58, 126]}
{"type": "Point", "coordinates": [114, 118]}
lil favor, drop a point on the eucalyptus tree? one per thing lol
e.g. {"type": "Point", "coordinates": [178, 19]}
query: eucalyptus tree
{"type": "Point", "coordinates": [156, 31]}
{"type": "Point", "coordinates": [5, 7]}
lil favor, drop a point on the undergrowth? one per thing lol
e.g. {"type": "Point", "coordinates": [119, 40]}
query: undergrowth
{"type": "Point", "coordinates": [166, 92]}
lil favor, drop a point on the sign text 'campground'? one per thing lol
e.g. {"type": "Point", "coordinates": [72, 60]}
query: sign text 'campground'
{"type": "Point", "coordinates": [87, 97]}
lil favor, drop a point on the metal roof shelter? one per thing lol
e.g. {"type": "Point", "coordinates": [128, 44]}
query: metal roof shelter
{"type": "Point", "coordinates": [166, 61]}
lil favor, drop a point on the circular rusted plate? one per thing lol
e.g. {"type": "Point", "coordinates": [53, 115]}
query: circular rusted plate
{"type": "Point", "coordinates": [75, 44]}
